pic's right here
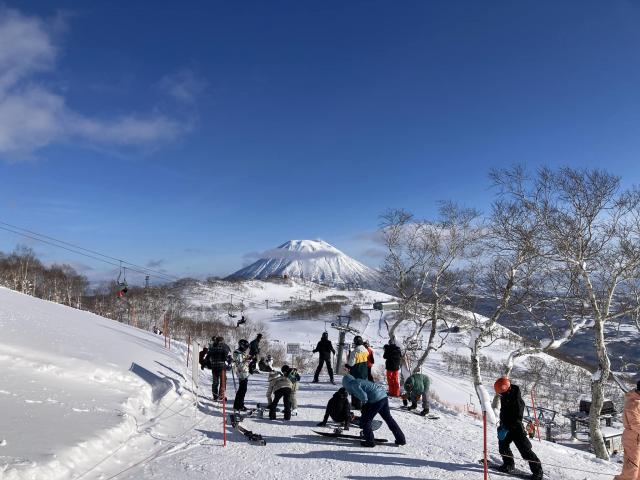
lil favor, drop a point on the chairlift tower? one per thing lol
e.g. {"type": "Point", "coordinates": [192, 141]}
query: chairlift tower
{"type": "Point", "coordinates": [343, 326]}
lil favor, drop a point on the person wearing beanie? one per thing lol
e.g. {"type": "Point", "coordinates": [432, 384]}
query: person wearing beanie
{"type": "Point", "coordinates": [393, 357]}
{"type": "Point", "coordinates": [357, 364]}
{"type": "Point", "coordinates": [338, 409]}
{"type": "Point", "coordinates": [324, 349]}
{"type": "Point", "coordinates": [294, 377]}
{"type": "Point", "coordinates": [631, 436]}
{"type": "Point", "coordinates": [511, 429]}
{"type": "Point", "coordinates": [254, 353]}
{"type": "Point", "coordinates": [280, 386]}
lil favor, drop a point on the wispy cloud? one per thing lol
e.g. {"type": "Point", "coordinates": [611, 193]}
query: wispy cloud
{"type": "Point", "coordinates": [34, 115]}
{"type": "Point", "coordinates": [155, 263]}
{"type": "Point", "coordinates": [184, 86]}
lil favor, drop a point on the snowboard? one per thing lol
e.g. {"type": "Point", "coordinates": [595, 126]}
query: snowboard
{"type": "Point", "coordinates": [252, 438]}
{"type": "Point", "coordinates": [375, 424]}
{"type": "Point", "coordinates": [494, 467]}
{"type": "Point", "coordinates": [428, 416]}
{"type": "Point", "coordinates": [348, 437]}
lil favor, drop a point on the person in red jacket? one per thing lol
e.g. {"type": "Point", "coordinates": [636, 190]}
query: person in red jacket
{"type": "Point", "coordinates": [631, 436]}
{"type": "Point", "coordinates": [370, 360]}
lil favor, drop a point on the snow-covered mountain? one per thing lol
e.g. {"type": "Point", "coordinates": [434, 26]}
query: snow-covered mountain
{"type": "Point", "coordinates": [314, 260]}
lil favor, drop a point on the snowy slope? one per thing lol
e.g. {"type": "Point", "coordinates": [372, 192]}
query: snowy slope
{"type": "Point", "coordinates": [313, 260]}
{"type": "Point", "coordinates": [85, 398]}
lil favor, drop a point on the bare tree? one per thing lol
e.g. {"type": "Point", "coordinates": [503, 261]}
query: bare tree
{"type": "Point", "coordinates": [589, 228]}
{"type": "Point", "coordinates": [422, 266]}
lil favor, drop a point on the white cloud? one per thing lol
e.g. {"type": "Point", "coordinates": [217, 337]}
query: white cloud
{"type": "Point", "coordinates": [184, 86]}
{"type": "Point", "coordinates": [33, 115]}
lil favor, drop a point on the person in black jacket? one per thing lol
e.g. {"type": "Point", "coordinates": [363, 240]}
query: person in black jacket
{"type": "Point", "coordinates": [325, 349]}
{"type": "Point", "coordinates": [218, 357]}
{"type": "Point", "coordinates": [338, 409]}
{"type": "Point", "coordinates": [254, 352]}
{"type": "Point", "coordinates": [511, 429]}
{"type": "Point", "coordinates": [393, 357]}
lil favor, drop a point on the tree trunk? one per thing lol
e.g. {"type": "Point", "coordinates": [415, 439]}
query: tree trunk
{"type": "Point", "coordinates": [598, 381]}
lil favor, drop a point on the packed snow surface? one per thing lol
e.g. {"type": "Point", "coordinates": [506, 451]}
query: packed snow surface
{"type": "Point", "coordinates": [83, 397]}
{"type": "Point", "coordinates": [314, 260]}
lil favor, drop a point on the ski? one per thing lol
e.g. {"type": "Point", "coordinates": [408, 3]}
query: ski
{"type": "Point", "coordinates": [494, 467]}
{"type": "Point", "coordinates": [253, 438]}
{"type": "Point", "coordinates": [348, 437]}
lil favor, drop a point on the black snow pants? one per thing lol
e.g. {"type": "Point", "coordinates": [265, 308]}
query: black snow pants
{"type": "Point", "coordinates": [238, 402]}
{"type": "Point", "coordinates": [218, 386]}
{"type": "Point", "coordinates": [285, 394]}
{"type": "Point", "coordinates": [518, 436]}
{"type": "Point", "coordinates": [322, 361]}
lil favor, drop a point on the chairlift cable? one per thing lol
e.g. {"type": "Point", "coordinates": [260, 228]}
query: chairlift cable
{"type": "Point", "coordinates": [137, 270]}
{"type": "Point", "coordinates": [86, 250]}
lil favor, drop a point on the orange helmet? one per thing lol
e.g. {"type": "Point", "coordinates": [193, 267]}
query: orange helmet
{"type": "Point", "coordinates": [502, 385]}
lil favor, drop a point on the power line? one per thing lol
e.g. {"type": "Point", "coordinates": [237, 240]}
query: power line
{"type": "Point", "coordinates": [88, 250]}
{"type": "Point", "coordinates": [136, 268]}
{"type": "Point", "coordinates": [108, 259]}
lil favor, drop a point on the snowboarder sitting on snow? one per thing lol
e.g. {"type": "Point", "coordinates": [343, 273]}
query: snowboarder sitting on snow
{"type": "Point", "coordinates": [325, 349]}
{"type": "Point", "coordinates": [241, 365]}
{"type": "Point", "coordinates": [266, 364]}
{"type": "Point", "coordinates": [338, 409]}
{"type": "Point", "coordinates": [374, 400]}
{"type": "Point", "coordinates": [201, 356]}
{"type": "Point", "coordinates": [417, 385]}
{"type": "Point", "coordinates": [512, 430]}
{"type": "Point", "coordinates": [280, 386]}
{"type": "Point", "coordinates": [631, 436]}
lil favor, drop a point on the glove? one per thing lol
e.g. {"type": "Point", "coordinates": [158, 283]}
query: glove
{"type": "Point", "coordinates": [321, 424]}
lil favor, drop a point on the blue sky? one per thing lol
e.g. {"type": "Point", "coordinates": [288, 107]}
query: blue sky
{"type": "Point", "coordinates": [191, 135]}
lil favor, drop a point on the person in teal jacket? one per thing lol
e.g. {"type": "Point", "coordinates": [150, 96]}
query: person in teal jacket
{"type": "Point", "coordinates": [374, 401]}
{"type": "Point", "coordinates": [416, 386]}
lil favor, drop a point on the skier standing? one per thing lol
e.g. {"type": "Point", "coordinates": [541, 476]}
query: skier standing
{"type": "Point", "coordinates": [254, 352]}
{"type": "Point", "coordinates": [392, 356]}
{"type": "Point", "coordinates": [324, 349]}
{"type": "Point", "coordinates": [217, 358]}
{"type": "Point", "coordinates": [338, 409]}
{"type": "Point", "coordinates": [241, 363]}
{"type": "Point", "coordinates": [280, 386]}
{"type": "Point", "coordinates": [374, 400]}
{"type": "Point", "coordinates": [631, 436]}
{"type": "Point", "coordinates": [511, 429]}
{"type": "Point", "coordinates": [357, 364]}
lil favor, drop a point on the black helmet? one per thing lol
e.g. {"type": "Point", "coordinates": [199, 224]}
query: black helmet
{"type": "Point", "coordinates": [357, 340]}
{"type": "Point", "coordinates": [243, 344]}
{"type": "Point", "coordinates": [325, 335]}
{"type": "Point", "coordinates": [285, 369]}
{"type": "Point", "coordinates": [219, 339]}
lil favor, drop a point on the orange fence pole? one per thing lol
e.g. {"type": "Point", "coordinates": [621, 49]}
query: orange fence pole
{"type": "Point", "coordinates": [535, 414]}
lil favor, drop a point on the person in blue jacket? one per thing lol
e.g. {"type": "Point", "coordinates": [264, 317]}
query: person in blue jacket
{"type": "Point", "coordinates": [374, 400]}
